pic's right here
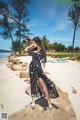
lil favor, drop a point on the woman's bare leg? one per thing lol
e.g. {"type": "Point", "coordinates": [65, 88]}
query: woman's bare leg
{"type": "Point", "coordinates": [33, 102]}
{"type": "Point", "coordinates": [45, 90]}
{"type": "Point", "coordinates": [33, 99]}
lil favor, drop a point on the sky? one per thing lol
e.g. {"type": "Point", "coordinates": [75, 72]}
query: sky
{"type": "Point", "coordinates": [50, 18]}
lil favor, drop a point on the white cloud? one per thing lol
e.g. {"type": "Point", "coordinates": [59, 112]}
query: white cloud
{"type": "Point", "coordinates": [62, 39]}
{"type": "Point", "coordinates": [61, 25]}
{"type": "Point", "coordinates": [37, 23]}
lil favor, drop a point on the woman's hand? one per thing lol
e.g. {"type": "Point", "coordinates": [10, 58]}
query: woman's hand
{"type": "Point", "coordinates": [26, 49]}
{"type": "Point", "coordinates": [45, 72]}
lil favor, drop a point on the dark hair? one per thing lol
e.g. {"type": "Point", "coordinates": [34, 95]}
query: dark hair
{"type": "Point", "coordinates": [38, 41]}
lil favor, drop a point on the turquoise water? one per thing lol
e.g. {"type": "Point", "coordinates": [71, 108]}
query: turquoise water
{"type": "Point", "coordinates": [4, 54]}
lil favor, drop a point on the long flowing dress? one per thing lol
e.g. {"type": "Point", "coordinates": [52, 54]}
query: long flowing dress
{"type": "Point", "coordinates": [36, 71]}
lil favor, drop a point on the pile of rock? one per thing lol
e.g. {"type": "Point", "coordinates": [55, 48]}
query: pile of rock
{"type": "Point", "coordinates": [16, 65]}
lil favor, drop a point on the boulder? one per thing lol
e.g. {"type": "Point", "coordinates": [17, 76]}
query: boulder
{"type": "Point", "coordinates": [11, 58]}
{"type": "Point", "coordinates": [16, 61]}
{"type": "Point", "coordinates": [16, 67]}
{"type": "Point", "coordinates": [62, 110]}
{"type": "Point", "coordinates": [24, 74]}
{"type": "Point", "coordinates": [9, 64]}
{"type": "Point", "coordinates": [78, 58]}
{"type": "Point", "coordinates": [73, 58]}
{"type": "Point", "coordinates": [24, 64]}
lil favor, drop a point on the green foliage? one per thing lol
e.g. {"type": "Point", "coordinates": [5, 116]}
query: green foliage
{"type": "Point", "coordinates": [19, 14]}
{"type": "Point", "coordinates": [52, 46]}
{"type": "Point", "coordinates": [77, 49]}
{"type": "Point", "coordinates": [6, 26]}
{"type": "Point", "coordinates": [59, 47]}
{"type": "Point", "coordinates": [45, 41]}
{"type": "Point", "coordinates": [14, 21]}
{"type": "Point", "coordinates": [70, 48]}
{"type": "Point", "coordinates": [15, 46]}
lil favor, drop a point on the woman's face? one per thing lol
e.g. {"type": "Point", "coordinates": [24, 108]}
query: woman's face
{"type": "Point", "coordinates": [35, 45]}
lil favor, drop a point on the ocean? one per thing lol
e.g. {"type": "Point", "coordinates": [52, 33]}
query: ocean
{"type": "Point", "coordinates": [4, 54]}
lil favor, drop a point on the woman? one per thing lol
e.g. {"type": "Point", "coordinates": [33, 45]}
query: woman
{"type": "Point", "coordinates": [37, 73]}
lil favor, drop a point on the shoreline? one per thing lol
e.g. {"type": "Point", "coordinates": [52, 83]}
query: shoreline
{"type": "Point", "coordinates": [65, 75]}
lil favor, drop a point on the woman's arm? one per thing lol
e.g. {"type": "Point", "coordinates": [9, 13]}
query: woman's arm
{"type": "Point", "coordinates": [44, 65]}
{"type": "Point", "coordinates": [44, 68]}
{"type": "Point", "coordinates": [26, 49]}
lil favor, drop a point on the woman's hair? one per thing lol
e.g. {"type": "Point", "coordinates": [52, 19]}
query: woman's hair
{"type": "Point", "coordinates": [38, 41]}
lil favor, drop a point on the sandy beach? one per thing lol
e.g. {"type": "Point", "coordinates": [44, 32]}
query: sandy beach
{"type": "Point", "coordinates": [12, 88]}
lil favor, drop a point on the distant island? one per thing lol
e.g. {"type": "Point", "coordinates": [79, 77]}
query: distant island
{"type": "Point", "coordinates": [1, 50]}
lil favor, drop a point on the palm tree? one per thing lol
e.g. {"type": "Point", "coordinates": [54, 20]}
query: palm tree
{"type": "Point", "coordinates": [74, 16]}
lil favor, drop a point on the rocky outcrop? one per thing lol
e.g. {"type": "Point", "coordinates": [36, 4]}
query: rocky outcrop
{"type": "Point", "coordinates": [41, 114]}
{"type": "Point", "coordinates": [62, 109]}
{"type": "Point", "coordinates": [15, 64]}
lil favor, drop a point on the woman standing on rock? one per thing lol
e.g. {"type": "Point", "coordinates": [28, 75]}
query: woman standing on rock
{"type": "Point", "coordinates": [37, 74]}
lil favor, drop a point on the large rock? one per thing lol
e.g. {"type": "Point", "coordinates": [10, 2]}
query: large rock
{"type": "Point", "coordinates": [9, 64]}
{"type": "Point", "coordinates": [12, 58]}
{"type": "Point", "coordinates": [62, 109]}
{"type": "Point", "coordinates": [15, 64]}
{"type": "Point", "coordinates": [24, 74]}
{"type": "Point", "coordinates": [78, 58]}
{"type": "Point", "coordinates": [24, 66]}
{"type": "Point", "coordinates": [16, 67]}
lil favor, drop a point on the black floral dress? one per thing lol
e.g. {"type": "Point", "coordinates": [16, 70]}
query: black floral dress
{"type": "Point", "coordinates": [36, 71]}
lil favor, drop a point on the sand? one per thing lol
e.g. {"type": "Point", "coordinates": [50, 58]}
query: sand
{"type": "Point", "coordinates": [12, 88]}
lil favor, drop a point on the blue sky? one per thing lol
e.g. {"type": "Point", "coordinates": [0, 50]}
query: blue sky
{"type": "Point", "coordinates": [49, 18]}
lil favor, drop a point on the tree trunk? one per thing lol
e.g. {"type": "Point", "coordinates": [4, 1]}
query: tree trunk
{"type": "Point", "coordinates": [19, 31]}
{"type": "Point", "coordinates": [73, 39]}
{"type": "Point", "coordinates": [10, 34]}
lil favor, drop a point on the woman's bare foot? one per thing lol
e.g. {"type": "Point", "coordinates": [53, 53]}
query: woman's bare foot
{"type": "Point", "coordinates": [50, 106]}
{"type": "Point", "coordinates": [33, 105]}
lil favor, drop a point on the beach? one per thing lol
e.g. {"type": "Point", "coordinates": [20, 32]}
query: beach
{"type": "Point", "coordinates": [12, 88]}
